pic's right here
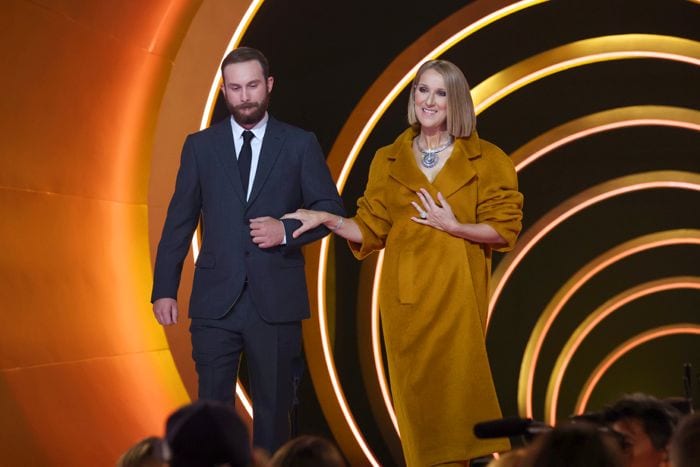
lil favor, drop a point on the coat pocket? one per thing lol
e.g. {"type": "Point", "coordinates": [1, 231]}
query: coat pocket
{"type": "Point", "coordinates": [407, 277]}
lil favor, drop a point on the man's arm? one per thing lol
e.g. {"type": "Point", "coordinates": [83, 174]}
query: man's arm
{"type": "Point", "coordinates": [180, 224]}
{"type": "Point", "coordinates": [319, 193]}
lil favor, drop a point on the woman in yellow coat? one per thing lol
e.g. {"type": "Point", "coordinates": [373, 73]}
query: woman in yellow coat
{"type": "Point", "coordinates": [439, 200]}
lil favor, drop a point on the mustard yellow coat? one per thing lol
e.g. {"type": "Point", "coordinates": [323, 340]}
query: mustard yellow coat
{"type": "Point", "coordinates": [434, 292]}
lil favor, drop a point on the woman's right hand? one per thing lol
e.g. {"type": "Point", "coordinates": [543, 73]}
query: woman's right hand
{"type": "Point", "coordinates": [309, 220]}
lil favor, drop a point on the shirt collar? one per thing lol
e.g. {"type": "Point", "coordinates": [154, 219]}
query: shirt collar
{"type": "Point", "coordinates": [258, 130]}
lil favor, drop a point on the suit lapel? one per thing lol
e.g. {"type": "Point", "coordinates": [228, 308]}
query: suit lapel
{"type": "Point", "coordinates": [226, 152]}
{"type": "Point", "coordinates": [271, 147]}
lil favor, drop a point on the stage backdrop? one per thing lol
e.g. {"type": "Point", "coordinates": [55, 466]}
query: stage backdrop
{"type": "Point", "coordinates": [596, 102]}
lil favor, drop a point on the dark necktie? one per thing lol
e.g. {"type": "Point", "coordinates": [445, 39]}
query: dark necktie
{"type": "Point", "coordinates": [244, 160]}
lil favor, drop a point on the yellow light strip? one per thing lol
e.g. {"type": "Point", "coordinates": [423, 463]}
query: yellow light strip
{"type": "Point", "coordinates": [244, 399]}
{"type": "Point", "coordinates": [598, 315]}
{"type": "Point", "coordinates": [584, 52]}
{"type": "Point", "coordinates": [608, 120]}
{"type": "Point", "coordinates": [328, 355]}
{"type": "Point", "coordinates": [377, 344]}
{"type": "Point", "coordinates": [615, 355]}
{"type": "Point", "coordinates": [601, 192]}
{"type": "Point", "coordinates": [575, 204]}
{"type": "Point", "coordinates": [562, 58]}
{"type": "Point", "coordinates": [565, 292]}
{"type": "Point", "coordinates": [539, 147]}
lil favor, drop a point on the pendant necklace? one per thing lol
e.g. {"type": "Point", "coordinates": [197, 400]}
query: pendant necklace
{"type": "Point", "coordinates": [429, 157]}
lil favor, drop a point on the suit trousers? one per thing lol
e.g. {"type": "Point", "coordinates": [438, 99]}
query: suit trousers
{"type": "Point", "coordinates": [273, 355]}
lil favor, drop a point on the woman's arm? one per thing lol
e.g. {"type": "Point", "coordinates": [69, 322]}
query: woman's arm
{"type": "Point", "coordinates": [442, 218]}
{"type": "Point", "coordinates": [341, 226]}
{"type": "Point", "coordinates": [479, 233]}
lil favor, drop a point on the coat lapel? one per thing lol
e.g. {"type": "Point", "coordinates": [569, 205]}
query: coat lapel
{"type": "Point", "coordinates": [404, 169]}
{"type": "Point", "coordinates": [458, 169]}
{"type": "Point", "coordinates": [271, 147]}
{"type": "Point", "coordinates": [456, 173]}
{"type": "Point", "coordinates": [226, 152]}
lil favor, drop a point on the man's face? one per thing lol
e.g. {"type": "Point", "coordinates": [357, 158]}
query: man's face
{"type": "Point", "coordinates": [639, 450]}
{"type": "Point", "coordinates": [246, 91]}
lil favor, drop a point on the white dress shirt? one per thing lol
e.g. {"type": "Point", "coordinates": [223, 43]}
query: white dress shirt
{"type": "Point", "coordinates": [255, 144]}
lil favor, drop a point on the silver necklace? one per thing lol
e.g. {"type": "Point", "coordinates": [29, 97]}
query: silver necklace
{"type": "Point", "coordinates": [429, 157]}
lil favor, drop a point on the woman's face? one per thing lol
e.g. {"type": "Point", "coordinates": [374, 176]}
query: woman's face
{"type": "Point", "coordinates": [430, 100]}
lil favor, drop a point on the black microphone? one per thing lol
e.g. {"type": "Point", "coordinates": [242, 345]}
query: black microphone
{"type": "Point", "coordinates": [509, 426]}
{"type": "Point", "coordinates": [688, 385]}
{"type": "Point", "coordinates": [688, 380]}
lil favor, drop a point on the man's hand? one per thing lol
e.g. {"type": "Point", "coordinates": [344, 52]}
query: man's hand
{"type": "Point", "coordinates": [266, 231]}
{"type": "Point", "coordinates": [165, 310]}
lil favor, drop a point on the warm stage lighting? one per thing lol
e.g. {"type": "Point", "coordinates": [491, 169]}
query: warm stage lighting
{"type": "Point", "coordinates": [575, 283]}
{"type": "Point", "coordinates": [380, 96]}
{"type": "Point", "coordinates": [341, 159]}
{"type": "Point", "coordinates": [608, 120]}
{"type": "Point", "coordinates": [488, 93]}
{"type": "Point", "coordinates": [580, 53]}
{"type": "Point", "coordinates": [567, 209]}
{"type": "Point", "coordinates": [620, 351]}
{"type": "Point", "coordinates": [598, 315]}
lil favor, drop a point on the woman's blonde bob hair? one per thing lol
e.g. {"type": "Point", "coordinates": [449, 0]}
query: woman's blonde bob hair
{"type": "Point", "coordinates": [461, 119]}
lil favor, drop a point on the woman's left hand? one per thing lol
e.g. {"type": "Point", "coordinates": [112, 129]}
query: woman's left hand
{"type": "Point", "coordinates": [309, 220]}
{"type": "Point", "coordinates": [430, 213]}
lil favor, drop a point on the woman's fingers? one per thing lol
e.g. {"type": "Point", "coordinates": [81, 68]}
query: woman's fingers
{"type": "Point", "coordinates": [299, 214]}
{"type": "Point", "coordinates": [300, 230]}
{"type": "Point", "coordinates": [309, 220]}
{"type": "Point", "coordinates": [422, 213]}
{"type": "Point", "coordinates": [443, 202]}
{"type": "Point", "coordinates": [423, 199]}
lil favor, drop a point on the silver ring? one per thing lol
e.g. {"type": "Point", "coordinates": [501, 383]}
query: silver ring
{"type": "Point", "coordinates": [423, 215]}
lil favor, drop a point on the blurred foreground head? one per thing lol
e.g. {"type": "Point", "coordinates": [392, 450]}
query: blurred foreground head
{"type": "Point", "coordinates": [207, 434]}
{"type": "Point", "coordinates": [574, 445]}
{"type": "Point", "coordinates": [146, 453]}
{"type": "Point", "coordinates": [646, 423]}
{"type": "Point", "coordinates": [308, 451]}
{"type": "Point", "coordinates": [514, 458]}
{"type": "Point", "coordinates": [685, 443]}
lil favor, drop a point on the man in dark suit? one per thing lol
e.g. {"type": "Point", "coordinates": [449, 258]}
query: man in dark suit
{"type": "Point", "coordinates": [249, 293]}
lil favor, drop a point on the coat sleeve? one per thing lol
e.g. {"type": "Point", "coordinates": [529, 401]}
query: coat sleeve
{"type": "Point", "coordinates": [318, 193]}
{"type": "Point", "coordinates": [180, 223]}
{"type": "Point", "coordinates": [372, 215]}
{"type": "Point", "coordinates": [500, 203]}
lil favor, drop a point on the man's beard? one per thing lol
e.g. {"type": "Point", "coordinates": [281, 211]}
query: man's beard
{"type": "Point", "coordinates": [249, 118]}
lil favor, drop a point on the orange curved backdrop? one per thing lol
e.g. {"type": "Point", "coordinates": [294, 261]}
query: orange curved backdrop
{"type": "Point", "coordinates": [97, 99]}
{"type": "Point", "coordinates": [84, 369]}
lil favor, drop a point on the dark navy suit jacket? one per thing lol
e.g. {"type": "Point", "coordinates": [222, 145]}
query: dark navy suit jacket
{"type": "Point", "coordinates": [291, 174]}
